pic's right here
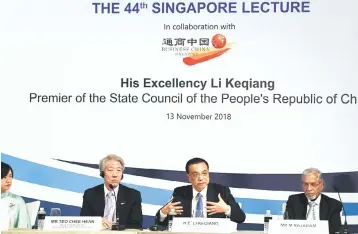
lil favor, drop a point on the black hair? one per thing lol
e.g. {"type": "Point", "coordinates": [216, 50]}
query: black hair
{"type": "Point", "coordinates": [5, 168]}
{"type": "Point", "coordinates": [195, 161]}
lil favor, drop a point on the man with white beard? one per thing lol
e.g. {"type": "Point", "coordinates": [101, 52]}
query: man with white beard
{"type": "Point", "coordinates": [312, 205]}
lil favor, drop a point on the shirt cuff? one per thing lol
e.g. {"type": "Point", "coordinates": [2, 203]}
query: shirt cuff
{"type": "Point", "coordinates": [162, 216]}
{"type": "Point", "coordinates": [228, 213]}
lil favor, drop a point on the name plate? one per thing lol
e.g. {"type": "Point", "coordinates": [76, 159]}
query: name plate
{"type": "Point", "coordinates": [55, 223]}
{"type": "Point", "coordinates": [209, 225]}
{"type": "Point", "coordinates": [298, 227]}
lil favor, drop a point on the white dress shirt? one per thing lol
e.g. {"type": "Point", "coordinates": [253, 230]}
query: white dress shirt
{"type": "Point", "coordinates": [194, 201]}
{"type": "Point", "coordinates": [316, 209]}
{"type": "Point", "coordinates": [106, 191]}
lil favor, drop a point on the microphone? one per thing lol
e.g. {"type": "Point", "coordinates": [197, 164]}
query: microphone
{"type": "Point", "coordinates": [156, 226]}
{"type": "Point", "coordinates": [343, 230]}
{"type": "Point", "coordinates": [284, 211]}
{"type": "Point", "coordinates": [115, 225]}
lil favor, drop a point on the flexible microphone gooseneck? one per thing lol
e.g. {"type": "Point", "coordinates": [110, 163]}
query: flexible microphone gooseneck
{"type": "Point", "coordinates": [156, 226]}
{"type": "Point", "coordinates": [115, 225]}
{"type": "Point", "coordinates": [344, 229]}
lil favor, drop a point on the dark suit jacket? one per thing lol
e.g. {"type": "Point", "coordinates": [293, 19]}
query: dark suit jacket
{"type": "Point", "coordinates": [129, 205]}
{"type": "Point", "coordinates": [184, 194]}
{"type": "Point", "coordinates": [329, 209]}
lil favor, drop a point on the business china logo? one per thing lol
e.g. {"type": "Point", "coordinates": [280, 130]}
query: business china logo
{"type": "Point", "coordinates": [197, 50]}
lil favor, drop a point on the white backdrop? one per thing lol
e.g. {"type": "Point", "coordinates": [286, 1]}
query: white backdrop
{"type": "Point", "coordinates": [52, 47]}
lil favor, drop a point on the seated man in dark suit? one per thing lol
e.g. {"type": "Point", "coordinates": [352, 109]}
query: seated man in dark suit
{"type": "Point", "coordinates": [312, 205]}
{"type": "Point", "coordinates": [201, 198]}
{"type": "Point", "coordinates": [100, 200]}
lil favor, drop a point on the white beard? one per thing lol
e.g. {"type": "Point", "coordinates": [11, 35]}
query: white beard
{"type": "Point", "coordinates": [311, 198]}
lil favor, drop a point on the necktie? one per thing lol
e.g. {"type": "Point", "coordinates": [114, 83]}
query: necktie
{"type": "Point", "coordinates": [110, 207]}
{"type": "Point", "coordinates": [311, 211]}
{"type": "Point", "coordinates": [199, 206]}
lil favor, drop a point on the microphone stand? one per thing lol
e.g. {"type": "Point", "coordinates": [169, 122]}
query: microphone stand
{"type": "Point", "coordinates": [156, 226]}
{"type": "Point", "coordinates": [344, 228]}
{"type": "Point", "coordinates": [115, 224]}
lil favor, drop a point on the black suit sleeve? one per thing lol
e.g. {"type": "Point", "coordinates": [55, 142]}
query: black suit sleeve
{"type": "Point", "coordinates": [335, 218]}
{"type": "Point", "coordinates": [289, 208]}
{"type": "Point", "coordinates": [237, 215]}
{"type": "Point", "coordinates": [136, 217]}
{"type": "Point", "coordinates": [85, 209]}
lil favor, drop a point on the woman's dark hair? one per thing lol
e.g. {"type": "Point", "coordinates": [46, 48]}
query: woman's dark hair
{"type": "Point", "coordinates": [5, 168]}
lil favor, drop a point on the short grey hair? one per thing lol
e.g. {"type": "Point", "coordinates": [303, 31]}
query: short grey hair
{"type": "Point", "coordinates": [103, 162]}
{"type": "Point", "coordinates": [312, 170]}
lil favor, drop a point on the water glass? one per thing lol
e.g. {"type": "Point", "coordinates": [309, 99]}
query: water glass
{"type": "Point", "coordinates": [55, 212]}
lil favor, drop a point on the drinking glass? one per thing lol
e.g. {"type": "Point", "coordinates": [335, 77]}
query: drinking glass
{"type": "Point", "coordinates": [55, 212]}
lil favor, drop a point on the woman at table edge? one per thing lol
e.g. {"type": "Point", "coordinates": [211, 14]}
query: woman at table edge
{"type": "Point", "coordinates": [19, 217]}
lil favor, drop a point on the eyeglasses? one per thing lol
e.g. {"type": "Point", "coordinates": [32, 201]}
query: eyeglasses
{"type": "Point", "coordinates": [313, 185]}
{"type": "Point", "coordinates": [8, 177]}
{"type": "Point", "coordinates": [196, 175]}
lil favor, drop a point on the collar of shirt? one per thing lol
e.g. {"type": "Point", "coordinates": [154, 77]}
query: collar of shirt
{"type": "Point", "coordinates": [106, 191]}
{"type": "Point", "coordinates": [5, 194]}
{"type": "Point", "coordinates": [317, 201]}
{"type": "Point", "coordinates": [203, 193]}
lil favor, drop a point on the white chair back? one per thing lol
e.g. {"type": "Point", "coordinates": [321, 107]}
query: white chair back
{"type": "Point", "coordinates": [32, 210]}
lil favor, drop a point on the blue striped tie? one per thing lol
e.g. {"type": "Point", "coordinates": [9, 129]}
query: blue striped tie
{"type": "Point", "coordinates": [199, 206]}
